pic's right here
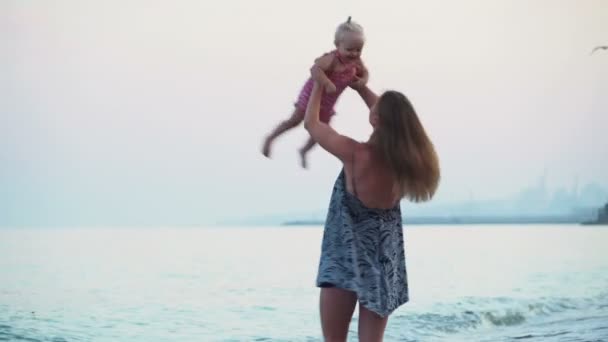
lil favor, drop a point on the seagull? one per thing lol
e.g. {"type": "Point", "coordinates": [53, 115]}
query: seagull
{"type": "Point", "coordinates": [604, 47]}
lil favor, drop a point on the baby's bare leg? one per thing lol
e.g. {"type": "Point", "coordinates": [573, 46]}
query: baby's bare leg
{"type": "Point", "coordinates": [310, 143]}
{"type": "Point", "coordinates": [295, 119]}
{"type": "Point", "coordinates": [307, 147]}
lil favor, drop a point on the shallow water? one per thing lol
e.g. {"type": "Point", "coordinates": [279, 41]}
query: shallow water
{"type": "Point", "coordinates": [467, 283]}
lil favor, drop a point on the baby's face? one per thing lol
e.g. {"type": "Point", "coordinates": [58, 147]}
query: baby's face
{"type": "Point", "coordinates": [351, 45]}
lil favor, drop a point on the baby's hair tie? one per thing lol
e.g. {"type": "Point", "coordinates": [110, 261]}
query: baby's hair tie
{"type": "Point", "coordinates": [348, 20]}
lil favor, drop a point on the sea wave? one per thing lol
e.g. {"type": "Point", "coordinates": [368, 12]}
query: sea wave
{"type": "Point", "coordinates": [474, 313]}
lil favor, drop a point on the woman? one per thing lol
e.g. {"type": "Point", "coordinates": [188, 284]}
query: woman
{"type": "Point", "coordinates": [362, 254]}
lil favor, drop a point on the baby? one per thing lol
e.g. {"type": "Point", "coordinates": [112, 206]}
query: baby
{"type": "Point", "coordinates": [335, 70]}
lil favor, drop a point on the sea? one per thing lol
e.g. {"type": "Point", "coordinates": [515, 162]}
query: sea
{"type": "Point", "coordinates": [467, 283]}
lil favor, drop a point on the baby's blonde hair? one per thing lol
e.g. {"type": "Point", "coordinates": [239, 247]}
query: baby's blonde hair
{"type": "Point", "coordinates": [345, 27]}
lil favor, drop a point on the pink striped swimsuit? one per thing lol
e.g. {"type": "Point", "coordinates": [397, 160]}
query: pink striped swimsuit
{"type": "Point", "coordinates": [340, 79]}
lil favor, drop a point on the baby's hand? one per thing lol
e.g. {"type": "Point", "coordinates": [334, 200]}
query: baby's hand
{"type": "Point", "coordinates": [330, 88]}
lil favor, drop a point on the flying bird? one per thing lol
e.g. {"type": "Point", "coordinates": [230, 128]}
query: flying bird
{"type": "Point", "coordinates": [604, 47]}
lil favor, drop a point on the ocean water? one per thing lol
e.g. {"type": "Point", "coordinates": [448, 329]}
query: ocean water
{"type": "Point", "coordinates": [467, 283]}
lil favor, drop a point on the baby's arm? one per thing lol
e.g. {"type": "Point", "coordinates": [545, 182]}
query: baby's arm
{"type": "Point", "coordinates": [319, 69]}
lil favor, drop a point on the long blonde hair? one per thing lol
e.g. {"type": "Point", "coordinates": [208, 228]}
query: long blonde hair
{"type": "Point", "coordinates": [401, 139]}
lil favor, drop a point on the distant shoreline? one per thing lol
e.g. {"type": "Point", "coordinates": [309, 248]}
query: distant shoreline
{"type": "Point", "coordinates": [422, 220]}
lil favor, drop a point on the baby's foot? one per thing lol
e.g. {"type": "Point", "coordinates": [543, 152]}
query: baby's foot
{"type": "Point", "coordinates": [303, 161]}
{"type": "Point", "coordinates": [266, 148]}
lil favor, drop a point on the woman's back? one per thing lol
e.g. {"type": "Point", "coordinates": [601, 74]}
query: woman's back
{"type": "Point", "coordinates": [370, 179]}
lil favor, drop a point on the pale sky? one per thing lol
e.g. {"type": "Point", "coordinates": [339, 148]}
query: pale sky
{"type": "Point", "coordinates": [153, 112]}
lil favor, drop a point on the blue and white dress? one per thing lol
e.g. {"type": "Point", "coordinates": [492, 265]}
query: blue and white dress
{"type": "Point", "coordinates": [363, 251]}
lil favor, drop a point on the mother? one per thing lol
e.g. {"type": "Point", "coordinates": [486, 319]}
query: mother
{"type": "Point", "coordinates": [362, 254]}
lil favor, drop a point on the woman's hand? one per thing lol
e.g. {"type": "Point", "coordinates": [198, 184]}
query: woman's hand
{"type": "Point", "coordinates": [358, 83]}
{"type": "Point", "coordinates": [318, 73]}
{"type": "Point", "coordinates": [330, 88]}
{"type": "Point", "coordinates": [361, 78]}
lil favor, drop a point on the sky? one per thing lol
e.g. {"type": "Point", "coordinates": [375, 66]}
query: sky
{"type": "Point", "coordinates": [153, 112]}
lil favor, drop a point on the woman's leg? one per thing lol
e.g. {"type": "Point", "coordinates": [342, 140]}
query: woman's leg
{"type": "Point", "coordinates": [337, 307]}
{"type": "Point", "coordinates": [371, 325]}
